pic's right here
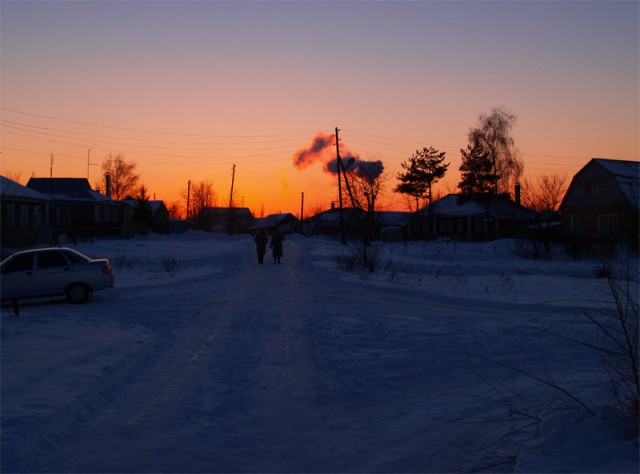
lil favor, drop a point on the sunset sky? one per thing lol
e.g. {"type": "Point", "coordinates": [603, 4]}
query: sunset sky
{"type": "Point", "coordinates": [189, 89]}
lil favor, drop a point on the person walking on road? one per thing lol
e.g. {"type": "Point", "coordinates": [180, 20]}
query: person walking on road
{"type": "Point", "coordinates": [276, 244]}
{"type": "Point", "coordinates": [261, 245]}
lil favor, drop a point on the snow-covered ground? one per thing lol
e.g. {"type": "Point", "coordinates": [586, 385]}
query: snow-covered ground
{"type": "Point", "coordinates": [201, 360]}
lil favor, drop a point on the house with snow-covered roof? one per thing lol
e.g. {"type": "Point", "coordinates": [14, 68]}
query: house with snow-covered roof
{"type": "Point", "coordinates": [233, 220]}
{"type": "Point", "coordinates": [159, 219]}
{"type": "Point", "coordinates": [472, 217]}
{"type": "Point", "coordinates": [282, 221]}
{"type": "Point", "coordinates": [24, 215]}
{"type": "Point", "coordinates": [328, 222]}
{"type": "Point", "coordinates": [603, 201]}
{"type": "Point", "coordinates": [77, 211]}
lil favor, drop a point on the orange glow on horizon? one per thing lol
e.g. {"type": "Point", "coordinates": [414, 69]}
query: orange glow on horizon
{"type": "Point", "coordinates": [251, 84]}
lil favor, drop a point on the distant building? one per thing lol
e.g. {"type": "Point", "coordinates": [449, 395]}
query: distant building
{"type": "Point", "coordinates": [24, 215]}
{"type": "Point", "coordinates": [392, 226]}
{"type": "Point", "coordinates": [283, 222]}
{"type": "Point", "coordinates": [328, 222]}
{"type": "Point", "coordinates": [159, 221]}
{"type": "Point", "coordinates": [235, 220]}
{"type": "Point", "coordinates": [603, 201]}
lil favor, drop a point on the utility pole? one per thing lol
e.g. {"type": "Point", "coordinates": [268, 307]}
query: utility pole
{"type": "Point", "coordinates": [89, 160]}
{"type": "Point", "coordinates": [188, 196]}
{"type": "Point", "coordinates": [233, 178]}
{"type": "Point", "coordinates": [339, 163]}
{"type": "Point", "coordinates": [51, 167]}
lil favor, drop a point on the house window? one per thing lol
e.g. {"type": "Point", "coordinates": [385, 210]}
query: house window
{"type": "Point", "coordinates": [24, 215]}
{"type": "Point", "coordinates": [63, 215]}
{"type": "Point", "coordinates": [576, 223]}
{"type": "Point", "coordinates": [478, 226]}
{"type": "Point", "coordinates": [596, 188]}
{"type": "Point", "coordinates": [11, 215]}
{"type": "Point", "coordinates": [37, 216]}
{"type": "Point", "coordinates": [607, 223]}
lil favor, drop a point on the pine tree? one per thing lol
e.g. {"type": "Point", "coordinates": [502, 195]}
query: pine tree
{"type": "Point", "coordinates": [142, 210]}
{"type": "Point", "coordinates": [476, 171]}
{"type": "Point", "coordinates": [422, 170]}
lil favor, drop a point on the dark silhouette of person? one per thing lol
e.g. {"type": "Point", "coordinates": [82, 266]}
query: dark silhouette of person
{"type": "Point", "coordinates": [261, 244]}
{"type": "Point", "coordinates": [276, 244]}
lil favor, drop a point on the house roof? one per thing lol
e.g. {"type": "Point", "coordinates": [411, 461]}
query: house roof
{"type": "Point", "coordinates": [626, 174]}
{"type": "Point", "coordinates": [451, 206]}
{"type": "Point", "coordinates": [9, 188]}
{"type": "Point", "coordinates": [273, 220]}
{"type": "Point", "coordinates": [224, 211]}
{"type": "Point", "coordinates": [334, 214]}
{"type": "Point", "coordinates": [68, 189]}
{"type": "Point", "coordinates": [154, 205]}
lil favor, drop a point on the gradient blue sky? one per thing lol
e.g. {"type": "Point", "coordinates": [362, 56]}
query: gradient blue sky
{"type": "Point", "coordinates": [248, 83]}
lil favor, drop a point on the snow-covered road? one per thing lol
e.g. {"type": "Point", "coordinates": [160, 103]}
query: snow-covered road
{"type": "Point", "coordinates": [284, 368]}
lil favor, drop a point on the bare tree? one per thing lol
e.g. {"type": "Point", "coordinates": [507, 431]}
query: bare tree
{"type": "Point", "coordinates": [176, 210]}
{"type": "Point", "coordinates": [124, 179]}
{"type": "Point", "coordinates": [544, 195]}
{"type": "Point", "coordinates": [366, 182]}
{"type": "Point", "coordinates": [202, 195]}
{"type": "Point", "coordinates": [314, 210]}
{"type": "Point", "coordinates": [493, 135]}
{"type": "Point", "coordinates": [13, 176]}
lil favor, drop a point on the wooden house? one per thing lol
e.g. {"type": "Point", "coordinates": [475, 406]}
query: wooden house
{"type": "Point", "coordinates": [24, 215]}
{"type": "Point", "coordinates": [603, 201]}
{"type": "Point", "coordinates": [77, 211]}
{"type": "Point", "coordinates": [234, 220]}
{"type": "Point", "coordinates": [328, 222]}
{"type": "Point", "coordinates": [159, 220]}
{"type": "Point", "coordinates": [284, 222]}
{"type": "Point", "coordinates": [478, 217]}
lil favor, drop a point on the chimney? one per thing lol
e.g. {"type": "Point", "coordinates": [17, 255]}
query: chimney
{"type": "Point", "coordinates": [333, 205]}
{"type": "Point", "coordinates": [107, 187]}
{"type": "Point", "coordinates": [518, 194]}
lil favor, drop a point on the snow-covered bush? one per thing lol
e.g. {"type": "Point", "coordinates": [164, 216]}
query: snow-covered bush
{"type": "Point", "coordinates": [530, 249]}
{"type": "Point", "coordinates": [169, 263]}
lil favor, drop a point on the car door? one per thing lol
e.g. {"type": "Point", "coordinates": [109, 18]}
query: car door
{"type": "Point", "coordinates": [53, 273]}
{"type": "Point", "coordinates": [18, 278]}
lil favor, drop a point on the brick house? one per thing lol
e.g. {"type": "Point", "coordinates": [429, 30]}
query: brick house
{"type": "Point", "coordinates": [603, 201]}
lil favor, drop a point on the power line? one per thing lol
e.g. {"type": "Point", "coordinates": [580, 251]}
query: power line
{"type": "Point", "coordinates": [37, 129]}
{"type": "Point", "coordinates": [151, 131]}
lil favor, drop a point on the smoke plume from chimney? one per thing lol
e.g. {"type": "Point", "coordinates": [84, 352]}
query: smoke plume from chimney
{"type": "Point", "coordinates": [319, 149]}
{"type": "Point", "coordinates": [322, 148]}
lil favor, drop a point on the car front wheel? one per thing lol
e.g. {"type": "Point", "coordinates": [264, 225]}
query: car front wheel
{"type": "Point", "coordinates": [78, 293]}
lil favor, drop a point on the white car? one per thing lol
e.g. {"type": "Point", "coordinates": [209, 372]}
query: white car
{"type": "Point", "coordinates": [53, 271]}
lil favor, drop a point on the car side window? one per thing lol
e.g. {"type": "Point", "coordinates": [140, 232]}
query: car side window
{"type": "Point", "coordinates": [74, 258]}
{"type": "Point", "coordinates": [20, 263]}
{"type": "Point", "coordinates": [51, 259]}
